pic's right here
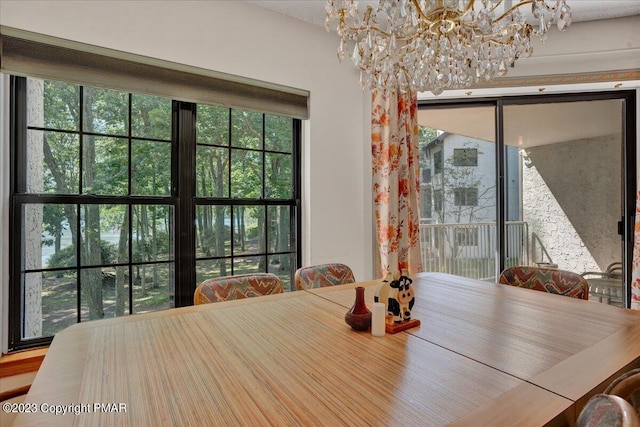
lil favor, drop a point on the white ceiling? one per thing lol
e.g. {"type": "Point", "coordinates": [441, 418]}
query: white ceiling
{"type": "Point", "coordinates": [313, 11]}
{"type": "Point", "coordinates": [535, 124]}
{"type": "Point", "coordinates": [531, 125]}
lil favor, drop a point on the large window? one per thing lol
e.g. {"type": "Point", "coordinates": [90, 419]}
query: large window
{"type": "Point", "coordinates": [465, 157]}
{"type": "Point", "coordinates": [465, 196]}
{"type": "Point", "coordinates": [122, 203]}
{"type": "Point", "coordinates": [244, 193]}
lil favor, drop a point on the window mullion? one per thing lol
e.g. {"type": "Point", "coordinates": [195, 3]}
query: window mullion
{"type": "Point", "coordinates": [184, 134]}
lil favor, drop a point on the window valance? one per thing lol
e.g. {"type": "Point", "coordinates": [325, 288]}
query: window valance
{"type": "Point", "coordinates": [36, 55]}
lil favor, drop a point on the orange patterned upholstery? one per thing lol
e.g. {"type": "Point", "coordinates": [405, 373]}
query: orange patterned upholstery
{"type": "Point", "coordinates": [549, 280]}
{"type": "Point", "coordinates": [237, 287]}
{"type": "Point", "coordinates": [627, 386]}
{"type": "Point", "coordinates": [319, 276]}
{"type": "Point", "coordinates": [604, 410]}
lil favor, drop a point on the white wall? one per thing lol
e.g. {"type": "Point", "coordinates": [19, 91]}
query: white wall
{"type": "Point", "coordinates": [4, 213]}
{"type": "Point", "coordinates": [586, 47]}
{"type": "Point", "coordinates": [246, 40]}
{"type": "Point", "coordinates": [249, 41]}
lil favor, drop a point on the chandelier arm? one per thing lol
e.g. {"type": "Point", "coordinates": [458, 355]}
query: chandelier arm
{"type": "Point", "coordinates": [512, 8]}
{"type": "Point", "coordinates": [439, 13]}
{"type": "Point", "coordinates": [470, 6]}
{"type": "Point", "coordinates": [438, 47]}
{"type": "Point", "coordinates": [378, 30]}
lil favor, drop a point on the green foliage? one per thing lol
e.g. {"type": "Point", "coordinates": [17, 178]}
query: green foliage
{"type": "Point", "coordinates": [106, 111]}
{"type": "Point", "coordinates": [143, 249]}
{"type": "Point", "coordinates": [212, 125]}
{"type": "Point", "coordinates": [66, 257]}
{"type": "Point", "coordinates": [150, 117]}
{"type": "Point", "coordinates": [426, 135]}
{"type": "Point", "coordinates": [246, 131]}
{"type": "Point", "coordinates": [53, 218]}
{"type": "Point", "coordinates": [278, 134]}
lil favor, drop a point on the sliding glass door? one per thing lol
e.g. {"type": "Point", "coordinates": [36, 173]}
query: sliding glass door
{"type": "Point", "coordinates": [458, 190]}
{"type": "Point", "coordinates": [569, 188]}
{"type": "Point", "coordinates": [531, 180]}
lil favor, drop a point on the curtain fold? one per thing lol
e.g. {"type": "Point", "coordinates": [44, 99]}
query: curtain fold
{"type": "Point", "coordinates": [396, 187]}
{"type": "Point", "coordinates": [635, 273]}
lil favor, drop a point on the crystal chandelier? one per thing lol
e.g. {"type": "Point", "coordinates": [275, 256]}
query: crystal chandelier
{"type": "Point", "coordinates": [435, 45]}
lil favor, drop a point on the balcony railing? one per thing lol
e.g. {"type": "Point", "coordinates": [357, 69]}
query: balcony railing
{"type": "Point", "coordinates": [470, 249]}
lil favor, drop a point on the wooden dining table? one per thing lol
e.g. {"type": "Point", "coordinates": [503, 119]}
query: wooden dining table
{"type": "Point", "coordinates": [484, 354]}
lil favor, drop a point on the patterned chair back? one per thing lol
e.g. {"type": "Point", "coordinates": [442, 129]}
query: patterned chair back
{"type": "Point", "coordinates": [237, 287]}
{"type": "Point", "coordinates": [549, 280]}
{"type": "Point", "coordinates": [319, 276]}
{"type": "Point", "coordinates": [604, 410]}
{"type": "Point", "coordinates": [627, 386]}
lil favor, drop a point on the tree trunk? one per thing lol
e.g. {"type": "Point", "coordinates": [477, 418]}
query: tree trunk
{"type": "Point", "coordinates": [262, 265]}
{"type": "Point", "coordinates": [121, 278]}
{"type": "Point", "coordinates": [91, 279]}
{"type": "Point", "coordinates": [154, 246]}
{"type": "Point", "coordinates": [219, 210]}
{"type": "Point", "coordinates": [283, 237]}
{"type": "Point", "coordinates": [33, 221]}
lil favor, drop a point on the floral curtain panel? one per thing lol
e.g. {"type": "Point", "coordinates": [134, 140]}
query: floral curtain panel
{"type": "Point", "coordinates": [635, 273]}
{"type": "Point", "coordinates": [394, 147]}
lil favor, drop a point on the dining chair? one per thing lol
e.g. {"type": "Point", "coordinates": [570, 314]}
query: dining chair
{"type": "Point", "coordinates": [627, 386]}
{"type": "Point", "coordinates": [237, 287]}
{"type": "Point", "coordinates": [605, 410]}
{"type": "Point", "coordinates": [319, 276]}
{"type": "Point", "coordinates": [544, 279]}
{"type": "Point", "coordinates": [606, 286]}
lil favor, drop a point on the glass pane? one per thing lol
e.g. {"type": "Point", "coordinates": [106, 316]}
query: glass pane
{"type": "Point", "coordinates": [104, 234]}
{"type": "Point", "coordinates": [152, 237]}
{"type": "Point", "coordinates": [46, 236]}
{"type": "Point", "coordinates": [212, 171]}
{"type": "Point", "coordinates": [58, 235]}
{"type": "Point", "coordinates": [105, 166]}
{"type": "Point", "coordinates": [248, 230]}
{"type": "Point", "coordinates": [52, 162]}
{"type": "Point", "coordinates": [564, 190]}
{"type": "Point", "coordinates": [457, 161]}
{"type": "Point", "coordinates": [279, 176]}
{"type": "Point", "coordinates": [104, 293]}
{"type": "Point", "coordinates": [206, 269]}
{"type": "Point", "coordinates": [279, 218]}
{"type": "Point", "coordinates": [52, 105]}
{"type": "Point", "coordinates": [246, 129]}
{"type": "Point", "coordinates": [152, 287]}
{"type": "Point", "coordinates": [246, 174]}
{"type": "Point", "coordinates": [50, 303]}
{"type": "Point", "coordinates": [212, 125]}
{"type": "Point", "coordinates": [150, 168]}
{"type": "Point", "coordinates": [150, 117]}
{"type": "Point", "coordinates": [105, 111]}
{"type": "Point", "coordinates": [213, 231]}
{"type": "Point", "coordinates": [278, 133]}
{"type": "Point", "coordinates": [246, 265]}
{"type": "Point", "coordinates": [283, 266]}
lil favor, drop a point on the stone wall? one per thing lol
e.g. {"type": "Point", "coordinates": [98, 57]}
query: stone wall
{"type": "Point", "coordinates": [572, 202]}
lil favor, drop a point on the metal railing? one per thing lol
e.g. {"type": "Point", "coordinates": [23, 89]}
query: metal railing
{"type": "Point", "coordinates": [470, 249]}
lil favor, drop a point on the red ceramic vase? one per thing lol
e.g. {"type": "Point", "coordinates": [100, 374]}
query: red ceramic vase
{"type": "Point", "coordinates": [359, 316]}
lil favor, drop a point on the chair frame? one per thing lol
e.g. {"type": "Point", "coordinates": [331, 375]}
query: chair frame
{"type": "Point", "coordinates": [303, 280]}
{"type": "Point", "coordinates": [227, 288]}
{"type": "Point", "coordinates": [551, 285]}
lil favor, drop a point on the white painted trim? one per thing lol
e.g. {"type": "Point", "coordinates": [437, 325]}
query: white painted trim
{"type": "Point", "coordinates": [4, 212]}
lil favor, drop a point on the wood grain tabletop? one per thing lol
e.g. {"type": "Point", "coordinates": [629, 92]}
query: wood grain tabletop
{"type": "Point", "coordinates": [484, 354]}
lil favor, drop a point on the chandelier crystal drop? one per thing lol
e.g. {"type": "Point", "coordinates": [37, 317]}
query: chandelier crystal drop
{"type": "Point", "coordinates": [435, 45]}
